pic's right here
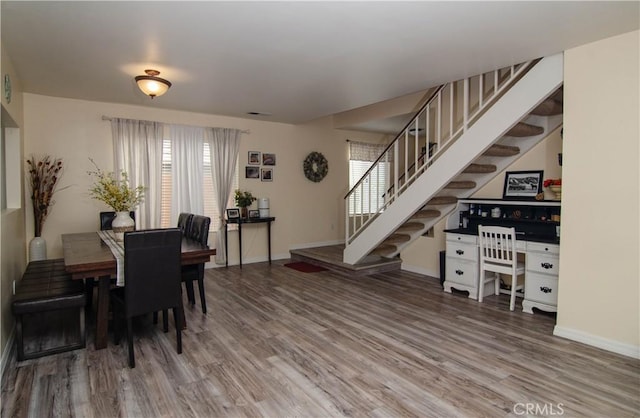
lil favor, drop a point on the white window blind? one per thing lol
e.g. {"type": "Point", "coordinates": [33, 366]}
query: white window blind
{"type": "Point", "coordinates": [209, 194]}
{"type": "Point", "coordinates": [369, 197]}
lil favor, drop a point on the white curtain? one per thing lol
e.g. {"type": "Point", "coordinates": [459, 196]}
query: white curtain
{"type": "Point", "coordinates": [224, 145]}
{"type": "Point", "coordinates": [137, 150]}
{"type": "Point", "coordinates": [186, 170]}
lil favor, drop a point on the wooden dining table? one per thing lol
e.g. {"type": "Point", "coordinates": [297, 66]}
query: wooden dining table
{"type": "Point", "coordinates": [86, 256]}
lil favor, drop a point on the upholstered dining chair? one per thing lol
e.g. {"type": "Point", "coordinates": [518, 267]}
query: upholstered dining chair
{"type": "Point", "coordinates": [198, 231]}
{"type": "Point", "coordinates": [498, 255]}
{"type": "Point", "coordinates": [184, 222]}
{"type": "Point", "coordinates": [152, 260]}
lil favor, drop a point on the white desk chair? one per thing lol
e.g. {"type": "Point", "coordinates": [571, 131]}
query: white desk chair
{"type": "Point", "coordinates": [498, 255]}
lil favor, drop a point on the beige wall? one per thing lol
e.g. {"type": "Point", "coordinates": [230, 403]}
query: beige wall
{"type": "Point", "coordinates": [306, 213]}
{"type": "Point", "coordinates": [12, 234]}
{"type": "Point", "coordinates": [423, 255]}
{"type": "Point", "coordinates": [599, 271]}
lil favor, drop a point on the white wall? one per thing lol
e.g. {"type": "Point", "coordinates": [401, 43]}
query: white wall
{"type": "Point", "coordinates": [599, 288]}
{"type": "Point", "coordinates": [306, 213]}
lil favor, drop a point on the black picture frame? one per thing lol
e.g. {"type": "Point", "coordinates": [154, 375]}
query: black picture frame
{"type": "Point", "coordinates": [254, 213]}
{"type": "Point", "coordinates": [266, 174]}
{"type": "Point", "coordinates": [268, 158]}
{"type": "Point", "coordinates": [522, 185]}
{"type": "Point", "coordinates": [252, 172]}
{"type": "Point", "coordinates": [254, 158]}
{"type": "Point", "coordinates": [233, 213]}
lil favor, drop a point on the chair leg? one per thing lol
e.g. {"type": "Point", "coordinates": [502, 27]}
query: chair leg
{"type": "Point", "coordinates": [88, 287]}
{"type": "Point", "coordinates": [132, 360]}
{"type": "Point", "coordinates": [177, 319]}
{"type": "Point", "coordinates": [19, 337]}
{"type": "Point", "coordinates": [116, 326]}
{"type": "Point", "coordinates": [165, 320]}
{"type": "Point", "coordinates": [481, 285]}
{"type": "Point", "coordinates": [155, 317]}
{"type": "Point", "coordinates": [190, 293]}
{"type": "Point", "coordinates": [202, 299]}
{"type": "Point", "coordinates": [512, 300]}
{"type": "Point", "coordinates": [496, 285]}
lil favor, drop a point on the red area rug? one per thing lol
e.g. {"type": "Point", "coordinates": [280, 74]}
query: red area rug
{"type": "Point", "coordinates": [305, 267]}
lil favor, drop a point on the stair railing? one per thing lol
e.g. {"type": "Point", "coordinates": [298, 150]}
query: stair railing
{"type": "Point", "coordinates": [452, 109]}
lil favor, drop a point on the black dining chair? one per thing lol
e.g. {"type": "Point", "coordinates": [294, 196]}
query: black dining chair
{"type": "Point", "coordinates": [198, 231]}
{"type": "Point", "coordinates": [152, 260]}
{"type": "Point", "coordinates": [184, 222]}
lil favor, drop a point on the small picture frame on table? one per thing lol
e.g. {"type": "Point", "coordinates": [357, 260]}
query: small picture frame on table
{"type": "Point", "coordinates": [267, 174]}
{"type": "Point", "coordinates": [522, 185]}
{"type": "Point", "coordinates": [253, 214]}
{"type": "Point", "coordinates": [233, 213]}
{"type": "Point", "coordinates": [254, 157]}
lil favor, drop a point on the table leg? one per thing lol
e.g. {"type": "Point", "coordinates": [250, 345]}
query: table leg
{"type": "Point", "coordinates": [240, 241]}
{"type": "Point", "coordinates": [102, 317]}
{"type": "Point", "coordinates": [269, 239]}
{"type": "Point", "coordinates": [226, 245]}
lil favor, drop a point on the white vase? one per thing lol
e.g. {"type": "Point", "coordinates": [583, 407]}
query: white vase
{"type": "Point", "coordinates": [122, 223]}
{"type": "Point", "coordinates": [37, 249]}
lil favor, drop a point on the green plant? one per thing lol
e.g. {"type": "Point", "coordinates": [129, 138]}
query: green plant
{"type": "Point", "coordinates": [243, 199]}
{"type": "Point", "coordinates": [44, 174]}
{"type": "Point", "coordinates": [115, 193]}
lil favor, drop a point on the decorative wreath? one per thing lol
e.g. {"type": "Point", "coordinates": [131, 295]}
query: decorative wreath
{"type": "Point", "coordinates": [315, 166]}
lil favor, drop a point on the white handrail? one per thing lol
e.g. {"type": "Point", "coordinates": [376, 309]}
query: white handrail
{"type": "Point", "coordinates": [402, 161]}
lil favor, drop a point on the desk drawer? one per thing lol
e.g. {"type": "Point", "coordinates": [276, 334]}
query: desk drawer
{"type": "Point", "coordinates": [470, 239]}
{"type": "Point", "coordinates": [541, 288]}
{"type": "Point", "coordinates": [541, 247]}
{"type": "Point", "coordinates": [543, 263]}
{"type": "Point", "coordinates": [462, 251]}
{"type": "Point", "coordinates": [462, 272]}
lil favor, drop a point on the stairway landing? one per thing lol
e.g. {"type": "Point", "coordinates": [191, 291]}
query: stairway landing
{"type": "Point", "coordinates": [330, 257]}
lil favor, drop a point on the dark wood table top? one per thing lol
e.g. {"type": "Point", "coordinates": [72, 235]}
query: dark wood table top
{"type": "Point", "coordinates": [86, 255]}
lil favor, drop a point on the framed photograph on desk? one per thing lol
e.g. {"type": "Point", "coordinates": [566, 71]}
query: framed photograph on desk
{"type": "Point", "coordinates": [233, 213]}
{"type": "Point", "coordinates": [253, 214]}
{"type": "Point", "coordinates": [522, 185]}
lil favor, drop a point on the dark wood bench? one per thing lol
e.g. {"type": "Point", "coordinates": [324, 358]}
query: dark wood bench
{"type": "Point", "coordinates": [46, 287]}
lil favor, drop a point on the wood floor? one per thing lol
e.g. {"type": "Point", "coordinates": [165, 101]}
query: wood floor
{"type": "Point", "coordinates": [279, 343]}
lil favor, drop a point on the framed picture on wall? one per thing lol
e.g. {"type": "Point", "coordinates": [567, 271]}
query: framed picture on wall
{"type": "Point", "coordinates": [522, 185]}
{"type": "Point", "coordinates": [254, 157]}
{"type": "Point", "coordinates": [268, 159]}
{"type": "Point", "coordinates": [267, 174]}
{"type": "Point", "coordinates": [252, 172]}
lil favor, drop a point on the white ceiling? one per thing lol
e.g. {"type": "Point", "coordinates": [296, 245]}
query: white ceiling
{"type": "Point", "coordinates": [294, 60]}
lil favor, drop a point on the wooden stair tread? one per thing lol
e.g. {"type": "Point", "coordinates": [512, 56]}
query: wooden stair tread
{"type": "Point", "coordinates": [461, 185]}
{"type": "Point", "coordinates": [497, 150]}
{"type": "Point", "coordinates": [426, 213]}
{"type": "Point", "coordinates": [384, 249]}
{"type": "Point", "coordinates": [397, 239]}
{"type": "Point", "coordinates": [443, 200]}
{"type": "Point", "coordinates": [410, 227]}
{"type": "Point", "coordinates": [549, 107]}
{"type": "Point", "coordinates": [522, 129]}
{"type": "Point", "coordinates": [480, 168]}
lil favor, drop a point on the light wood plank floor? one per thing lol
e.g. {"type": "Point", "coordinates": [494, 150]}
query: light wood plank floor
{"type": "Point", "coordinates": [280, 343]}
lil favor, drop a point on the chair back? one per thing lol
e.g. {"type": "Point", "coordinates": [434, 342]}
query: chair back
{"type": "Point", "coordinates": [199, 229]}
{"type": "Point", "coordinates": [106, 219]}
{"type": "Point", "coordinates": [498, 245]}
{"type": "Point", "coordinates": [152, 269]}
{"type": "Point", "coordinates": [184, 222]}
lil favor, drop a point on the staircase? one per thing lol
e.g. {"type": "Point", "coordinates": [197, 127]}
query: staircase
{"type": "Point", "coordinates": [467, 132]}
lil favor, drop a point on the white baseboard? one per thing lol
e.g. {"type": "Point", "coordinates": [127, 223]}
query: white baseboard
{"type": "Point", "coordinates": [420, 270]}
{"type": "Point", "coordinates": [7, 352]}
{"type": "Point", "coordinates": [628, 350]}
{"type": "Point", "coordinates": [316, 244]}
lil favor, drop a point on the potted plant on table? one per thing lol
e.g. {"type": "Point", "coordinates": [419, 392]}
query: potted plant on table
{"type": "Point", "coordinates": [243, 201]}
{"type": "Point", "coordinates": [43, 176]}
{"type": "Point", "coordinates": [119, 196]}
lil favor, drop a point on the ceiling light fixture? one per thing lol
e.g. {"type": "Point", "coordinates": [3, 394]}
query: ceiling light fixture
{"type": "Point", "coordinates": [151, 84]}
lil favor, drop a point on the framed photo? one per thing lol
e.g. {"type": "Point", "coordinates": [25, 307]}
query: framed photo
{"type": "Point", "coordinates": [233, 213]}
{"type": "Point", "coordinates": [268, 159]}
{"type": "Point", "coordinates": [254, 157]}
{"type": "Point", "coordinates": [254, 213]}
{"type": "Point", "coordinates": [252, 172]}
{"type": "Point", "coordinates": [267, 174]}
{"type": "Point", "coordinates": [522, 185]}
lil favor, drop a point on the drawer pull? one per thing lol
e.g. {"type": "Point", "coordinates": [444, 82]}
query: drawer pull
{"type": "Point", "coordinates": [545, 289]}
{"type": "Point", "coordinates": [546, 265]}
{"type": "Point", "coordinates": [459, 238]}
{"type": "Point", "coordinates": [459, 252]}
{"type": "Point", "coordinates": [459, 272]}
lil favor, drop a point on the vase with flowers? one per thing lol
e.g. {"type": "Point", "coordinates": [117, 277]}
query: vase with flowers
{"type": "Point", "coordinates": [555, 185]}
{"type": "Point", "coordinates": [119, 196]}
{"type": "Point", "coordinates": [243, 201]}
{"type": "Point", "coordinates": [43, 177]}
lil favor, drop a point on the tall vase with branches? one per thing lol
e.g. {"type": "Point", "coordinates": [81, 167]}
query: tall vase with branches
{"type": "Point", "coordinates": [44, 175]}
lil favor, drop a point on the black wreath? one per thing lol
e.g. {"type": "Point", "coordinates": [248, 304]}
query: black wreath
{"type": "Point", "coordinates": [315, 166]}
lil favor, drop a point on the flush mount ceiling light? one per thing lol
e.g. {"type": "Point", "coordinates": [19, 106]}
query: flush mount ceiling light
{"type": "Point", "coordinates": [151, 84]}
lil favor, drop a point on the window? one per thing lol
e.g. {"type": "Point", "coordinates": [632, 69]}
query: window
{"type": "Point", "coordinates": [370, 197]}
{"type": "Point", "coordinates": [210, 197]}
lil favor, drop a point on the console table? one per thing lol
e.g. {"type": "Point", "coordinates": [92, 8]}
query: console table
{"type": "Point", "coordinates": [537, 226]}
{"type": "Point", "coordinates": [241, 222]}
